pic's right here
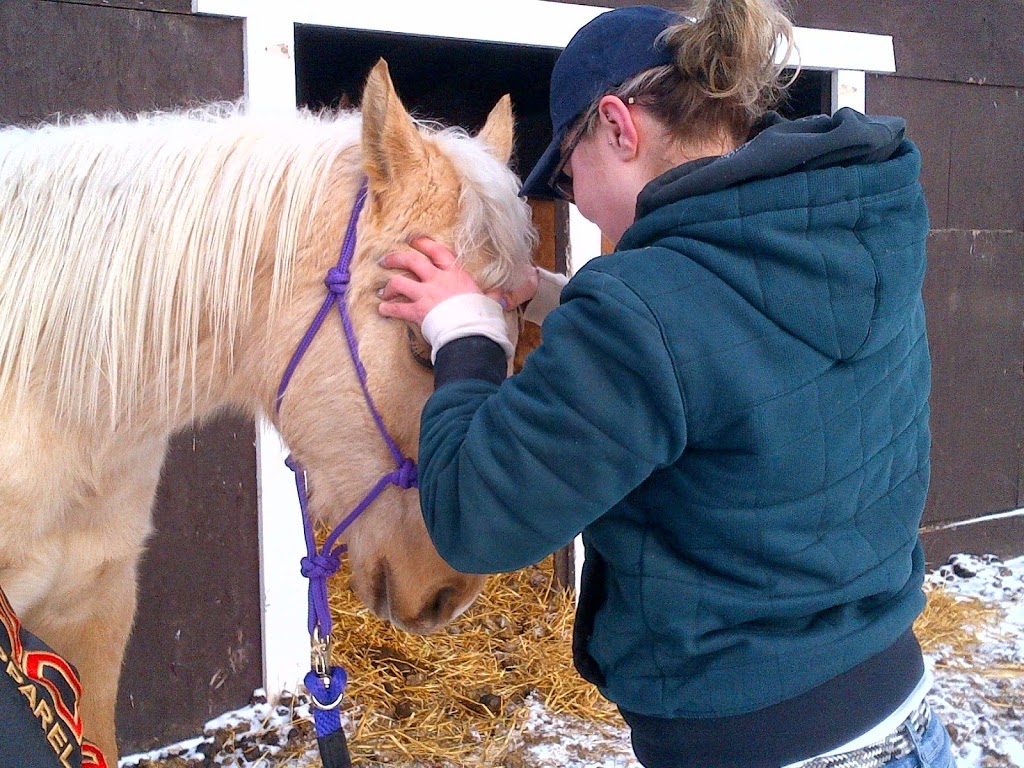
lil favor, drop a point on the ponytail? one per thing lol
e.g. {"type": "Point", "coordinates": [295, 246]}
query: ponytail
{"type": "Point", "coordinates": [728, 51]}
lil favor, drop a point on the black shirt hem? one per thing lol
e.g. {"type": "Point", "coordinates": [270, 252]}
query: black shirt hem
{"type": "Point", "coordinates": [808, 725]}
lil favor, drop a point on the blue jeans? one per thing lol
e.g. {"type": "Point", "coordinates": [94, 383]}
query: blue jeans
{"type": "Point", "coordinates": [934, 749]}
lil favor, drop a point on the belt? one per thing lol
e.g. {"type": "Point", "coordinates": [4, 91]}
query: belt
{"type": "Point", "coordinates": [894, 746]}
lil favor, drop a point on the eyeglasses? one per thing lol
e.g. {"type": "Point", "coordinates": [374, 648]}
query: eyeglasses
{"type": "Point", "coordinates": [560, 181]}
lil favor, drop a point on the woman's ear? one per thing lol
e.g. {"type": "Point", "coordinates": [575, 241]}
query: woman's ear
{"type": "Point", "coordinates": [617, 127]}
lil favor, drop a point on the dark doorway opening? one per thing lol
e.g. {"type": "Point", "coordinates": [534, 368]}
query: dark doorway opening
{"type": "Point", "coordinates": [458, 81]}
{"type": "Point", "coordinates": [454, 81]}
{"type": "Point", "coordinates": [810, 94]}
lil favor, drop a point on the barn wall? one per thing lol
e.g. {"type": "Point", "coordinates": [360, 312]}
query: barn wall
{"type": "Point", "coordinates": [196, 649]}
{"type": "Point", "coordinates": [970, 137]}
{"type": "Point", "coordinates": [69, 58]}
{"type": "Point", "coordinates": [958, 83]}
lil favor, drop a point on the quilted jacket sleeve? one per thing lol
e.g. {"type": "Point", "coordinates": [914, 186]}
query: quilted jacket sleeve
{"type": "Point", "coordinates": [511, 472]}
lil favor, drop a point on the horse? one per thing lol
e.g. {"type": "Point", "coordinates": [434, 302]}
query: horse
{"type": "Point", "coordinates": [160, 268]}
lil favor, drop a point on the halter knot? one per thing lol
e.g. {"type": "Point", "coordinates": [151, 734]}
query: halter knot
{"type": "Point", "coordinates": [337, 280]}
{"type": "Point", "coordinates": [406, 476]}
{"type": "Point", "coordinates": [319, 566]}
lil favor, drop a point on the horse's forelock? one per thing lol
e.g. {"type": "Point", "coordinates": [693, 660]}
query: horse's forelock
{"type": "Point", "coordinates": [494, 218]}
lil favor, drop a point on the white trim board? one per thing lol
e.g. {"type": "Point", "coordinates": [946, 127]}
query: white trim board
{"type": "Point", "coordinates": [283, 589]}
{"type": "Point", "coordinates": [524, 22]}
{"type": "Point", "coordinates": [517, 22]}
{"type": "Point", "coordinates": [972, 521]}
{"type": "Point", "coordinates": [269, 28]}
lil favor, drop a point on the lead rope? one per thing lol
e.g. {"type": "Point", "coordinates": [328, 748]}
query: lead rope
{"type": "Point", "coordinates": [325, 681]}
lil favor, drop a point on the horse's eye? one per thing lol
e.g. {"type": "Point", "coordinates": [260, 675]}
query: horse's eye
{"type": "Point", "coordinates": [418, 348]}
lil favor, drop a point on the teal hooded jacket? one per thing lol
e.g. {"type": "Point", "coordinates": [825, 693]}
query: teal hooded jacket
{"type": "Point", "coordinates": [733, 409]}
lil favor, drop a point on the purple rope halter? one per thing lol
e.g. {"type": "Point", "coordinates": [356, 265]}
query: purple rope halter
{"type": "Point", "coordinates": [317, 566]}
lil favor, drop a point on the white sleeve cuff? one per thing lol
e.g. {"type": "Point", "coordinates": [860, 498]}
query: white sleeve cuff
{"type": "Point", "coordinates": [467, 314]}
{"type": "Point", "coordinates": [548, 296]}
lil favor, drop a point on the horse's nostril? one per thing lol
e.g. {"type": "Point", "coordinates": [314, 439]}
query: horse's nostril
{"type": "Point", "coordinates": [439, 608]}
{"type": "Point", "coordinates": [380, 591]}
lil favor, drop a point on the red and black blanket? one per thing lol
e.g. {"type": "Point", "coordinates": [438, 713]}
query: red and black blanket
{"type": "Point", "coordinates": [40, 724]}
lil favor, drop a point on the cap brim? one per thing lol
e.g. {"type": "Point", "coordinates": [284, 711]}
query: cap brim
{"type": "Point", "coordinates": [536, 184]}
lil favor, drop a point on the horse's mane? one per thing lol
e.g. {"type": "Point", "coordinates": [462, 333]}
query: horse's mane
{"type": "Point", "coordinates": [165, 215]}
{"type": "Point", "coordinates": [493, 217]}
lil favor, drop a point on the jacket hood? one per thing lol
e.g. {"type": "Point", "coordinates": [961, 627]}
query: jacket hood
{"type": "Point", "coordinates": [819, 223]}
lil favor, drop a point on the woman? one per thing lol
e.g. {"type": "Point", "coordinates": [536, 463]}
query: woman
{"type": "Point", "coordinates": [732, 407]}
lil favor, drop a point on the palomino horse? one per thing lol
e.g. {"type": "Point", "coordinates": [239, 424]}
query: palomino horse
{"type": "Point", "coordinates": [159, 269]}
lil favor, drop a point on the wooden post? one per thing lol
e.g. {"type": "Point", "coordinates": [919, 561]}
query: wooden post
{"type": "Point", "coordinates": [552, 221]}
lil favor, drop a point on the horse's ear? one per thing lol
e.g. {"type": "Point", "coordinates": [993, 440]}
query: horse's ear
{"type": "Point", "coordinates": [497, 132]}
{"type": "Point", "coordinates": [392, 147]}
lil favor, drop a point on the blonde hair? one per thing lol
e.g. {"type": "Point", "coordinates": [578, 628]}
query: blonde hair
{"type": "Point", "coordinates": [495, 220]}
{"type": "Point", "coordinates": [724, 74]}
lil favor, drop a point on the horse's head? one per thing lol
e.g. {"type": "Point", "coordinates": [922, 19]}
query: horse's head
{"type": "Point", "coordinates": [422, 181]}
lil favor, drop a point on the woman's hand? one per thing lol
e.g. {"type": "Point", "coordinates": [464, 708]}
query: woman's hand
{"type": "Point", "coordinates": [436, 277]}
{"type": "Point", "coordinates": [521, 294]}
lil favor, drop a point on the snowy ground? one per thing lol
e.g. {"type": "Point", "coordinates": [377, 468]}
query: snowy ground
{"type": "Point", "coordinates": [979, 693]}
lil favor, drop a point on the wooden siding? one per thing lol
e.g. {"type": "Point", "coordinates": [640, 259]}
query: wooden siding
{"type": "Point", "coordinates": [958, 84]}
{"type": "Point", "coordinates": [969, 135]}
{"type": "Point", "coordinates": [975, 298]}
{"type": "Point", "coordinates": [965, 42]}
{"type": "Point", "coordinates": [197, 648]}
{"type": "Point", "coordinates": [61, 58]}
{"type": "Point", "coordinates": [159, 6]}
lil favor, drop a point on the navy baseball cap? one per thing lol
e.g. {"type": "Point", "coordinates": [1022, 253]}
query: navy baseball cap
{"type": "Point", "coordinates": [602, 55]}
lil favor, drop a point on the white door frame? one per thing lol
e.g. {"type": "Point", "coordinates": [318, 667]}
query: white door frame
{"type": "Point", "coordinates": [270, 86]}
